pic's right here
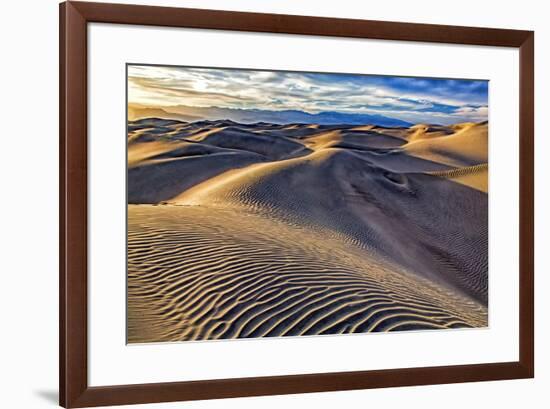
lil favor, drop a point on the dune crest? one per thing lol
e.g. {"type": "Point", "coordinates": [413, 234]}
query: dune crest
{"type": "Point", "coordinates": [476, 176]}
{"type": "Point", "coordinates": [467, 146]}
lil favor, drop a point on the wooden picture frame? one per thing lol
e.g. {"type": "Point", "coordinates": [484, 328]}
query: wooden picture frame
{"type": "Point", "coordinates": [73, 230]}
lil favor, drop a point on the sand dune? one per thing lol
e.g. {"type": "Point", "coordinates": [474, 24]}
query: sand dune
{"type": "Point", "coordinates": [343, 192]}
{"type": "Point", "coordinates": [158, 180]}
{"type": "Point", "coordinates": [273, 148]}
{"type": "Point", "coordinates": [352, 139]}
{"type": "Point", "coordinates": [425, 131]}
{"type": "Point", "coordinates": [271, 230]}
{"type": "Point", "coordinates": [476, 176]}
{"type": "Point", "coordinates": [199, 274]}
{"type": "Point", "coordinates": [466, 147]}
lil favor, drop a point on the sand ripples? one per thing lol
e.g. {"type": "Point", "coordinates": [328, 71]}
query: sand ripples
{"type": "Point", "coordinates": [284, 230]}
{"type": "Point", "coordinates": [198, 273]}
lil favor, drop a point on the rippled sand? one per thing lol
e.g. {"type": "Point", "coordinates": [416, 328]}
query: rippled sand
{"type": "Point", "coordinates": [240, 231]}
{"type": "Point", "coordinates": [205, 273]}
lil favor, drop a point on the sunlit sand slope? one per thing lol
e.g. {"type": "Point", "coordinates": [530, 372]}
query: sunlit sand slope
{"type": "Point", "coordinates": [476, 176]}
{"type": "Point", "coordinates": [200, 273]}
{"type": "Point", "coordinates": [467, 145]}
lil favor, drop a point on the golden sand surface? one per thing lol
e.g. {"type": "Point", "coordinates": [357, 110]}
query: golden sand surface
{"type": "Point", "coordinates": [240, 231]}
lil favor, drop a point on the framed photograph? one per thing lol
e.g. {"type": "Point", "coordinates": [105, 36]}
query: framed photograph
{"type": "Point", "coordinates": [259, 204]}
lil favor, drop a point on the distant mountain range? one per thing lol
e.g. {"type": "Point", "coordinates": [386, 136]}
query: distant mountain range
{"type": "Point", "coordinates": [186, 113]}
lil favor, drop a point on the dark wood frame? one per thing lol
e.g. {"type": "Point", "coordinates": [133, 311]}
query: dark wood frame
{"type": "Point", "coordinates": [73, 379]}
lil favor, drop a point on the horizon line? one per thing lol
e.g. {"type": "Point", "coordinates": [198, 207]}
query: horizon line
{"type": "Point", "coordinates": [302, 123]}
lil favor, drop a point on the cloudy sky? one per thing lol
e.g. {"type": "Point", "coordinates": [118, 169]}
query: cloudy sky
{"type": "Point", "coordinates": [416, 100]}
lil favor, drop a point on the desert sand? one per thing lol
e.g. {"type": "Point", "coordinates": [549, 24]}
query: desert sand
{"type": "Point", "coordinates": [260, 230]}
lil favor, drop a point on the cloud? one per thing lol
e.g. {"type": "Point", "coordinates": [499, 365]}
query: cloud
{"type": "Point", "coordinates": [410, 99]}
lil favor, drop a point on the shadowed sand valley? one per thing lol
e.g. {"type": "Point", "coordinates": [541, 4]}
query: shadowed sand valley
{"type": "Point", "coordinates": [261, 230]}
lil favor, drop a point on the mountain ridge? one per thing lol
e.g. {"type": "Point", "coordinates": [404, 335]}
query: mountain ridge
{"type": "Point", "coordinates": [247, 116]}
